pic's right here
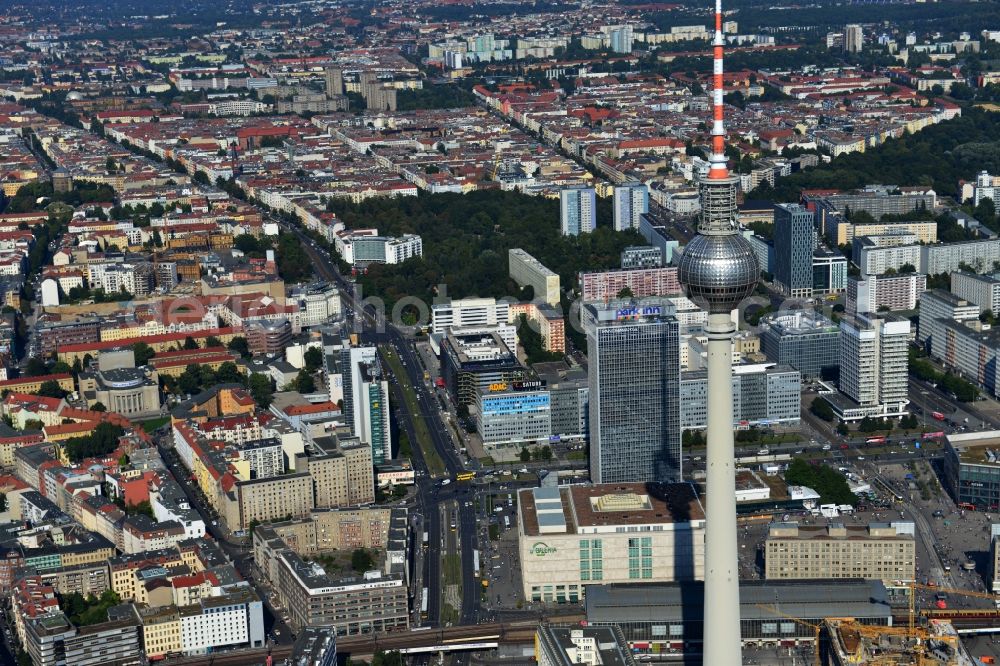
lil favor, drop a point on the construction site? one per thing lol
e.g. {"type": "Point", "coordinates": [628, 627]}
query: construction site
{"type": "Point", "coordinates": [937, 644]}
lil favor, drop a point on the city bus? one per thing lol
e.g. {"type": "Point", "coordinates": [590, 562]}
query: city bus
{"type": "Point", "coordinates": [875, 440]}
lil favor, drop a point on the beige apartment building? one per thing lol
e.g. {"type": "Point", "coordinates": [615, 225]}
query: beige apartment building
{"type": "Point", "coordinates": [843, 232]}
{"type": "Point", "coordinates": [877, 551]}
{"type": "Point", "coordinates": [335, 529]}
{"type": "Point", "coordinates": [342, 476]}
{"type": "Point", "coordinates": [161, 630]}
{"type": "Point", "coordinates": [273, 498]}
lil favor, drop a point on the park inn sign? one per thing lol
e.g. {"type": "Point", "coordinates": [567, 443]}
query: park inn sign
{"type": "Point", "coordinates": [542, 549]}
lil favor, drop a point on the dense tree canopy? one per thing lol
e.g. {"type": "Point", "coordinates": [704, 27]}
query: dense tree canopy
{"type": "Point", "coordinates": [466, 239]}
{"type": "Point", "coordinates": [828, 482]}
{"type": "Point", "coordinates": [102, 441]}
{"type": "Point", "coordinates": [434, 97]}
{"type": "Point", "coordinates": [938, 156]}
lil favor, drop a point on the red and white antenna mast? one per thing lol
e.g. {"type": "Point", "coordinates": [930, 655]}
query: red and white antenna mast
{"type": "Point", "coordinates": [718, 169]}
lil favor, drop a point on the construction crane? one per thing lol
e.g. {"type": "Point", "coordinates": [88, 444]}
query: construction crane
{"type": "Point", "coordinates": [815, 627]}
{"type": "Point", "coordinates": [918, 636]}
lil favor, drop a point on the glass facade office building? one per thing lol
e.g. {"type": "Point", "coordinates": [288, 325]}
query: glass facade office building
{"type": "Point", "coordinates": [794, 241]}
{"type": "Point", "coordinates": [634, 377]}
{"type": "Point", "coordinates": [508, 415]}
{"type": "Point", "coordinates": [972, 469]}
{"type": "Point", "coordinates": [802, 339]}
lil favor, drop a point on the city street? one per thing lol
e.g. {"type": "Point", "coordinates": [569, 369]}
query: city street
{"type": "Point", "coordinates": [429, 494]}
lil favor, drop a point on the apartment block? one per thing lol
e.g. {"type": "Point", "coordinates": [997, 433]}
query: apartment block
{"type": "Point", "coordinates": [971, 350]}
{"type": "Point", "coordinates": [843, 232]}
{"type": "Point", "coordinates": [261, 500]}
{"type": "Point", "coordinates": [981, 255]}
{"type": "Point", "coordinates": [983, 290]}
{"type": "Point", "coordinates": [874, 293]}
{"type": "Point", "coordinates": [640, 282]}
{"type": "Point", "coordinates": [875, 259]}
{"type": "Point", "coordinates": [876, 551]}
{"type": "Point", "coordinates": [631, 200]}
{"type": "Point", "coordinates": [340, 472]}
{"type": "Point", "coordinates": [938, 306]}
{"type": "Point", "coordinates": [577, 210]}
{"type": "Point", "coordinates": [525, 270]}
{"type": "Point", "coordinates": [549, 320]}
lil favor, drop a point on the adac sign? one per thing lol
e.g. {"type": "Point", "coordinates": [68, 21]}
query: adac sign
{"type": "Point", "coordinates": [542, 549]}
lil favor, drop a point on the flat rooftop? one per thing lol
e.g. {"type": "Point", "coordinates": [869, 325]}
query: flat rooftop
{"type": "Point", "coordinates": [529, 260]}
{"type": "Point", "coordinates": [562, 643]}
{"type": "Point", "coordinates": [979, 448]}
{"type": "Point", "coordinates": [800, 322]}
{"type": "Point", "coordinates": [607, 505]}
{"type": "Point", "coordinates": [683, 602]}
{"type": "Point", "coordinates": [835, 532]}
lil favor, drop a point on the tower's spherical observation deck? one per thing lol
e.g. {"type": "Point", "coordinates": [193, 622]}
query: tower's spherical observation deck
{"type": "Point", "coordinates": [718, 271]}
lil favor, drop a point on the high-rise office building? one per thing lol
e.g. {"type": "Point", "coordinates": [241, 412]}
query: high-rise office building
{"type": "Point", "coordinates": [366, 402]}
{"type": "Point", "coordinates": [873, 365]}
{"type": "Point", "coordinates": [372, 412]}
{"type": "Point", "coordinates": [634, 377]}
{"type": "Point", "coordinates": [577, 210]}
{"type": "Point", "coordinates": [803, 339]}
{"type": "Point", "coordinates": [631, 200]}
{"type": "Point", "coordinates": [794, 240]}
{"type": "Point", "coordinates": [854, 38]}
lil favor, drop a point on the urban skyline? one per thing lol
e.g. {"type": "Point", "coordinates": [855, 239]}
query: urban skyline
{"type": "Point", "coordinates": [419, 332]}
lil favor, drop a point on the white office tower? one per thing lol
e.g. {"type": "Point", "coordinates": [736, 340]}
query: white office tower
{"type": "Point", "coordinates": [719, 269]}
{"type": "Point", "coordinates": [873, 363]}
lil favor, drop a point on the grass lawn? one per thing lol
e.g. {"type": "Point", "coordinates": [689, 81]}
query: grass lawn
{"type": "Point", "coordinates": [449, 615]}
{"type": "Point", "coordinates": [434, 463]}
{"type": "Point", "coordinates": [452, 569]}
{"type": "Point", "coordinates": [153, 424]}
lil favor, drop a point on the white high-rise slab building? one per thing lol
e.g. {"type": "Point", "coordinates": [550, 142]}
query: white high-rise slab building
{"type": "Point", "coordinates": [873, 363]}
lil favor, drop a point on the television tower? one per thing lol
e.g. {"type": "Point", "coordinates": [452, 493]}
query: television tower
{"type": "Point", "coordinates": [718, 270]}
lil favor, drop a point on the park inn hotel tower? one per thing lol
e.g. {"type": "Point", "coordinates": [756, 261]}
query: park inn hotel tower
{"type": "Point", "coordinates": [634, 376]}
{"type": "Point", "coordinates": [719, 269]}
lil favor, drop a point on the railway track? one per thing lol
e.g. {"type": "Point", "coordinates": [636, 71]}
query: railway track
{"type": "Point", "coordinates": [515, 631]}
